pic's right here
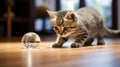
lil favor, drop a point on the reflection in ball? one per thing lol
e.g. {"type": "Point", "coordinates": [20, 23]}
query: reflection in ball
{"type": "Point", "coordinates": [30, 40]}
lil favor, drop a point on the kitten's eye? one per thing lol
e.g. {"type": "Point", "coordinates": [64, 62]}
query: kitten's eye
{"type": "Point", "coordinates": [56, 28]}
{"type": "Point", "coordinates": [66, 28]}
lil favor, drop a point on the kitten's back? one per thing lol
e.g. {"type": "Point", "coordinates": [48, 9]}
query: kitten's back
{"type": "Point", "coordinates": [88, 12]}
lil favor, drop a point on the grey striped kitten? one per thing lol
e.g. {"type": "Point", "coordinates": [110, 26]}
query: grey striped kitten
{"type": "Point", "coordinates": [82, 25]}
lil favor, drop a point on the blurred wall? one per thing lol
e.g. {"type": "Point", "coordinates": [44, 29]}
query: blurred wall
{"type": "Point", "coordinates": [118, 14]}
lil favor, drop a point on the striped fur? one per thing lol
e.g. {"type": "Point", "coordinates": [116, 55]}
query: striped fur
{"type": "Point", "coordinates": [82, 25]}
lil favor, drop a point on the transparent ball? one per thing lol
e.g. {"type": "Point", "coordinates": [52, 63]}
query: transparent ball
{"type": "Point", "coordinates": [30, 40]}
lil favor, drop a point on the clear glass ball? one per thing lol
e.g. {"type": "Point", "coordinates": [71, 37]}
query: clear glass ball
{"type": "Point", "coordinates": [30, 40]}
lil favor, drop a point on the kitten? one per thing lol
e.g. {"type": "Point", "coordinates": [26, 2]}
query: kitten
{"type": "Point", "coordinates": [82, 25]}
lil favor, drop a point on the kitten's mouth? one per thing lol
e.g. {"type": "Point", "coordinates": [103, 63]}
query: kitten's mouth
{"type": "Point", "coordinates": [61, 35]}
{"type": "Point", "coordinates": [64, 35]}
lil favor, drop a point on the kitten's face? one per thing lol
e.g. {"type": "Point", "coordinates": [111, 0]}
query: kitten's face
{"type": "Point", "coordinates": [64, 23]}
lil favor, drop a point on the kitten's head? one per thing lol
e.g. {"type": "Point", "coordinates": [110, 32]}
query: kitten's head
{"type": "Point", "coordinates": [64, 23]}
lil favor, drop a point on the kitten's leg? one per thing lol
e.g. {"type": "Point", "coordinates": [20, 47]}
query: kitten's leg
{"type": "Point", "coordinates": [79, 41]}
{"type": "Point", "coordinates": [100, 40]}
{"type": "Point", "coordinates": [59, 42]}
{"type": "Point", "coordinates": [89, 42]}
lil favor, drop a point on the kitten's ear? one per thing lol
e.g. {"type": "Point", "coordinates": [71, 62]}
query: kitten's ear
{"type": "Point", "coordinates": [71, 15]}
{"type": "Point", "coordinates": [51, 14]}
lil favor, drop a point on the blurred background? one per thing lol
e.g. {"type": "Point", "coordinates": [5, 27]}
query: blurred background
{"type": "Point", "coordinates": [18, 17]}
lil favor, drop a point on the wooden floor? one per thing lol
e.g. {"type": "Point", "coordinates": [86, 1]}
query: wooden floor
{"type": "Point", "coordinates": [14, 55]}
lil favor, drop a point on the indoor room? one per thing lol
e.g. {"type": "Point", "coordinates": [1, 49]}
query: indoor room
{"type": "Point", "coordinates": [59, 33]}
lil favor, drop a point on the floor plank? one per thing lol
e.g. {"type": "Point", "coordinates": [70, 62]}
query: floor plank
{"type": "Point", "coordinates": [13, 54]}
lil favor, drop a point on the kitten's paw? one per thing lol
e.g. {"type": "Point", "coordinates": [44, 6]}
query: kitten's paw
{"type": "Point", "coordinates": [101, 43]}
{"type": "Point", "coordinates": [55, 45]}
{"type": "Point", "coordinates": [75, 45]}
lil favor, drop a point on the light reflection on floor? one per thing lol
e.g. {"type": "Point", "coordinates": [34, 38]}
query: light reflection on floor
{"type": "Point", "coordinates": [29, 59]}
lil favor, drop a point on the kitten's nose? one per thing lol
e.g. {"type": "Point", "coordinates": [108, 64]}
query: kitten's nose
{"type": "Point", "coordinates": [61, 33]}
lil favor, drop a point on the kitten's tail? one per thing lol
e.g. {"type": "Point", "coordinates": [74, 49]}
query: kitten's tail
{"type": "Point", "coordinates": [111, 33]}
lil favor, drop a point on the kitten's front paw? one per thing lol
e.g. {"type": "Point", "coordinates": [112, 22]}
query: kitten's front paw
{"type": "Point", "coordinates": [55, 45]}
{"type": "Point", "coordinates": [75, 45]}
{"type": "Point", "coordinates": [101, 43]}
